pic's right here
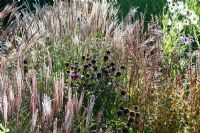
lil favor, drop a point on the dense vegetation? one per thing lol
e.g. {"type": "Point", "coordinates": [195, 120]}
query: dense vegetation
{"type": "Point", "coordinates": [75, 67]}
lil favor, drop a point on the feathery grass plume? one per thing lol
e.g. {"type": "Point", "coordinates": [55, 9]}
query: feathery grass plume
{"type": "Point", "coordinates": [11, 99]}
{"type": "Point", "coordinates": [94, 20]}
{"type": "Point", "coordinates": [89, 112]}
{"type": "Point", "coordinates": [198, 64]}
{"type": "Point", "coordinates": [7, 10]}
{"type": "Point", "coordinates": [1, 95]}
{"type": "Point", "coordinates": [75, 104]}
{"type": "Point", "coordinates": [17, 109]}
{"type": "Point", "coordinates": [18, 101]}
{"type": "Point", "coordinates": [5, 107]}
{"type": "Point", "coordinates": [80, 102]}
{"type": "Point", "coordinates": [34, 92]}
{"type": "Point", "coordinates": [46, 107]}
{"type": "Point", "coordinates": [61, 91]}
{"type": "Point", "coordinates": [55, 126]}
{"type": "Point", "coordinates": [18, 76]}
{"type": "Point", "coordinates": [56, 107]}
{"type": "Point", "coordinates": [58, 94]}
{"type": "Point", "coordinates": [34, 120]}
{"type": "Point", "coordinates": [33, 102]}
{"type": "Point", "coordinates": [69, 113]}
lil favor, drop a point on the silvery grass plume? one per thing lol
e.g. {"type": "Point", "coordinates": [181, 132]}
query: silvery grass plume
{"type": "Point", "coordinates": [69, 113]}
{"type": "Point", "coordinates": [58, 94]}
{"type": "Point", "coordinates": [72, 110]}
{"type": "Point", "coordinates": [1, 95]}
{"type": "Point", "coordinates": [33, 102]}
{"type": "Point", "coordinates": [89, 112]}
{"type": "Point", "coordinates": [80, 103]}
{"type": "Point", "coordinates": [55, 126]}
{"type": "Point", "coordinates": [34, 92]}
{"type": "Point", "coordinates": [34, 120]}
{"type": "Point", "coordinates": [5, 107]}
{"type": "Point", "coordinates": [18, 78]}
{"type": "Point", "coordinates": [79, 21]}
{"type": "Point", "coordinates": [46, 107]}
{"type": "Point", "coordinates": [11, 99]}
{"type": "Point", "coordinates": [6, 11]}
{"type": "Point", "coordinates": [7, 100]}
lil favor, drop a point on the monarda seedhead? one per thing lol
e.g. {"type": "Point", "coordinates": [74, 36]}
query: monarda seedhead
{"type": "Point", "coordinates": [136, 107]}
{"type": "Point", "coordinates": [132, 114]}
{"type": "Point", "coordinates": [119, 112]}
{"type": "Point", "coordinates": [125, 130]}
{"type": "Point", "coordinates": [126, 110]}
{"type": "Point", "coordinates": [104, 127]}
{"type": "Point", "coordinates": [105, 58]}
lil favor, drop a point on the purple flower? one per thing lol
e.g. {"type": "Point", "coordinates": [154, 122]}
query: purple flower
{"type": "Point", "coordinates": [75, 75]}
{"type": "Point", "coordinates": [192, 39]}
{"type": "Point", "coordinates": [158, 33]}
{"type": "Point", "coordinates": [185, 39]}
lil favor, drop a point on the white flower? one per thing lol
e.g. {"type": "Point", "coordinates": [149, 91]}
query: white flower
{"type": "Point", "coordinates": [193, 17]}
{"type": "Point", "coordinates": [180, 5]}
{"type": "Point", "coordinates": [179, 25]}
{"type": "Point", "coordinates": [186, 22]}
{"type": "Point", "coordinates": [170, 22]}
{"type": "Point", "coordinates": [174, 16]}
{"type": "Point", "coordinates": [169, 1]}
{"type": "Point", "coordinates": [183, 11]}
{"type": "Point", "coordinates": [172, 7]}
{"type": "Point", "coordinates": [46, 104]}
{"type": "Point", "coordinates": [194, 20]}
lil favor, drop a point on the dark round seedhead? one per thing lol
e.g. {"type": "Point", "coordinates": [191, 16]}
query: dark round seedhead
{"type": "Point", "coordinates": [85, 67]}
{"type": "Point", "coordinates": [112, 64]}
{"type": "Point", "coordinates": [87, 75]}
{"type": "Point", "coordinates": [25, 69]}
{"type": "Point", "coordinates": [137, 114]}
{"type": "Point", "coordinates": [131, 119]}
{"type": "Point", "coordinates": [25, 62]}
{"type": "Point", "coordinates": [89, 64]}
{"type": "Point", "coordinates": [93, 61]}
{"type": "Point", "coordinates": [132, 114]}
{"type": "Point", "coordinates": [67, 64]}
{"type": "Point", "coordinates": [95, 68]}
{"type": "Point", "coordinates": [105, 72]}
{"type": "Point", "coordinates": [136, 107]}
{"type": "Point", "coordinates": [123, 92]}
{"type": "Point", "coordinates": [72, 68]}
{"type": "Point", "coordinates": [122, 67]}
{"type": "Point", "coordinates": [87, 59]}
{"type": "Point", "coordinates": [98, 75]}
{"type": "Point", "coordinates": [104, 127]}
{"type": "Point", "coordinates": [108, 52]}
{"type": "Point", "coordinates": [128, 124]}
{"type": "Point", "coordinates": [126, 110]}
{"type": "Point", "coordinates": [113, 69]}
{"type": "Point", "coordinates": [118, 74]}
{"type": "Point", "coordinates": [83, 58]}
{"type": "Point", "coordinates": [68, 71]}
{"type": "Point", "coordinates": [105, 58]}
{"type": "Point", "coordinates": [119, 112]}
{"type": "Point", "coordinates": [125, 130]}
